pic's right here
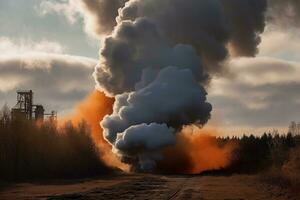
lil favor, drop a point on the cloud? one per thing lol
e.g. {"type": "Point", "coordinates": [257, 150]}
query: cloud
{"type": "Point", "coordinates": [23, 20]}
{"type": "Point", "coordinates": [99, 15]}
{"type": "Point", "coordinates": [67, 8]}
{"type": "Point", "coordinates": [10, 47]}
{"type": "Point", "coordinates": [279, 43]}
{"type": "Point", "coordinates": [259, 92]}
{"type": "Point", "coordinates": [59, 81]}
{"type": "Point", "coordinates": [284, 13]}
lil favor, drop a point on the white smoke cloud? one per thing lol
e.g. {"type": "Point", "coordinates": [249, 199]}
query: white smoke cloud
{"type": "Point", "coordinates": [281, 44]}
{"type": "Point", "coordinates": [174, 98]}
{"type": "Point", "coordinates": [69, 9]}
{"type": "Point", "coordinates": [99, 15]}
{"type": "Point", "coordinates": [142, 141]}
{"type": "Point", "coordinates": [9, 47]}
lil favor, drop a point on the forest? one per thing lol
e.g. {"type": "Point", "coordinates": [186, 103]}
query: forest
{"type": "Point", "coordinates": [29, 150]}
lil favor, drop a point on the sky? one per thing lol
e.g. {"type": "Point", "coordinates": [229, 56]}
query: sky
{"type": "Point", "coordinates": [45, 46]}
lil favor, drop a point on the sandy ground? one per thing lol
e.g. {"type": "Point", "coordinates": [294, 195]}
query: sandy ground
{"type": "Point", "coordinates": [238, 187]}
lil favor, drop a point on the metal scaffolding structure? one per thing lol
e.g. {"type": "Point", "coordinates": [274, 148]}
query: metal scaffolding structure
{"type": "Point", "coordinates": [294, 128]}
{"type": "Point", "coordinates": [26, 109]}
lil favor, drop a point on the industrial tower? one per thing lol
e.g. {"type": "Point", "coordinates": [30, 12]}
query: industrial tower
{"type": "Point", "coordinates": [25, 108]}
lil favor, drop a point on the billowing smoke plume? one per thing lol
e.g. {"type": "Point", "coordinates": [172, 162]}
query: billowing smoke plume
{"type": "Point", "coordinates": [207, 22]}
{"type": "Point", "coordinates": [135, 50]}
{"type": "Point", "coordinates": [209, 25]}
{"type": "Point", "coordinates": [200, 23]}
{"type": "Point", "coordinates": [247, 21]}
{"type": "Point", "coordinates": [141, 120]}
{"type": "Point", "coordinates": [157, 60]}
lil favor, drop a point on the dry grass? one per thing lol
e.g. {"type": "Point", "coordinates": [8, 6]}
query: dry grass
{"type": "Point", "coordinates": [287, 175]}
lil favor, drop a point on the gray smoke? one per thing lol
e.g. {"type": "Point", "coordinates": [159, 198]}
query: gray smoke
{"type": "Point", "coordinates": [247, 21]}
{"type": "Point", "coordinates": [138, 46]}
{"type": "Point", "coordinates": [284, 13]}
{"type": "Point", "coordinates": [157, 60]}
{"type": "Point", "coordinates": [209, 25]}
{"type": "Point", "coordinates": [200, 23]}
{"type": "Point", "coordinates": [101, 14]}
{"type": "Point", "coordinates": [173, 99]}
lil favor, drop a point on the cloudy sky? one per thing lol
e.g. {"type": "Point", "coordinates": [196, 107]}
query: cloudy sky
{"type": "Point", "coordinates": [46, 46]}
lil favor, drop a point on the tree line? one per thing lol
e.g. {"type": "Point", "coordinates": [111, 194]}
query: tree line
{"type": "Point", "coordinates": [29, 150]}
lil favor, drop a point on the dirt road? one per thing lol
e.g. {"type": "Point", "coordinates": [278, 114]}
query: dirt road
{"type": "Point", "coordinates": [150, 187]}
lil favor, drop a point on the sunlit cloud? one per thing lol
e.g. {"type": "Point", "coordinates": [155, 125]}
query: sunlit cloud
{"type": "Point", "coordinates": [10, 47]}
{"type": "Point", "coordinates": [67, 8]}
{"type": "Point", "coordinates": [279, 43]}
{"type": "Point", "coordinates": [260, 93]}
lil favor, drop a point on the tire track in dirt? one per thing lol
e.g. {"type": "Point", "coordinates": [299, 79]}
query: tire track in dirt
{"type": "Point", "coordinates": [154, 187]}
{"type": "Point", "coordinates": [176, 193]}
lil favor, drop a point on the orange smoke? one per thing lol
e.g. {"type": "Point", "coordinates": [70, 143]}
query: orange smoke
{"type": "Point", "coordinates": [196, 151]}
{"type": "Point", "coordinates": [92, 110]}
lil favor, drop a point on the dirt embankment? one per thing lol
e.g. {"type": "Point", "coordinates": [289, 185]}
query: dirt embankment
{"type": "Point", "coordinates": [151, 187]}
